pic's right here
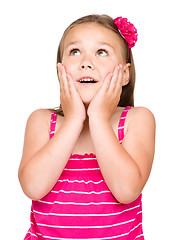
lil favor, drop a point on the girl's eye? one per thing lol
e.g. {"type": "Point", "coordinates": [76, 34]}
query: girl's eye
{"type": "Point", "coordinates": [102, 52]}
{"type": "Point", "coordinates": [75, 52]}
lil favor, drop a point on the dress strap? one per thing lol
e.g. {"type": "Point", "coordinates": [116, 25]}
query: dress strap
{"type": "Point", "coordinates": [52, 123]}
{"type": "Point", "coordinates": [122, 123]}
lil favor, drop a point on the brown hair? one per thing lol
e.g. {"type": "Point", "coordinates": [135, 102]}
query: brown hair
{"type": "Point", "coordinates": [127, 95]}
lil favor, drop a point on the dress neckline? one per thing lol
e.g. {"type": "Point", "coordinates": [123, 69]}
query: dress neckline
{"type": "Point", "coordinates": [85, 155]}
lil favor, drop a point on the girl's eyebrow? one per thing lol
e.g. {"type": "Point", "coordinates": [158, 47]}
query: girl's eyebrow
{"type": "Point", "coordinates": [72, 43]}
{"type": "Point", "coordinates": [105, 43]}
{"type": "Point", "coordinates": [100, 43]}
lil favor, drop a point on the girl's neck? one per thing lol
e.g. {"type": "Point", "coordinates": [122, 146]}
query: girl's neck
{"type": "Point", "coordinates": [86, 125]}
{"type": "Point", "coordinates": [86, 122]}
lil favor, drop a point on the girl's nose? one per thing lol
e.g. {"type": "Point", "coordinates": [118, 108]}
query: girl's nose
{"type": "Point", "coordinates": [86, 64]}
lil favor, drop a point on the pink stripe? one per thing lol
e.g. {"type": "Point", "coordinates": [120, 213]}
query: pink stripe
{"type": "Point", "coordinates": [52, 123]}
{"type": "Point", "coordinates": [122, 123]}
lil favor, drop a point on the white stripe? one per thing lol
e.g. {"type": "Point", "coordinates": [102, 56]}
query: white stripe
{"type": "Point", "coordinates": [51, 132]}
{"type": "Point", "coordinates": [92, 192]}
{"type": "Point", "coordinates": [122, 117]}
{"type": "Point", "coordinates": [139, 236]}
{"type": "Point", "coordinates": [83, 204]}
{"type": "Point", "coordinates": [105, 238]}
{"type": "Point", "coordinates": [32, 234]}
{"type": "Point", "coordinates": [80, 181]}
{"type": "Point", "coordinates": [120, 127]}
{"type": "Point", "coordinates": [83, 227]}
{"type": "Point", "coordinates": [135, 227]}
{"type": "Point", "coordinates": [58, 238]}
{"type": "Point", "coordinates": [73, 159]}
{"type": "Point", "coordinates": [45, 202]}
{"type": "Point", "coordinates": [87, 215]}
{"type": "Point", "coordinates": [83, 169]}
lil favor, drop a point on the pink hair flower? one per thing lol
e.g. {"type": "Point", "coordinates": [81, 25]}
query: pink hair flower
{"type": "Point", "coordinates": [127, 30]}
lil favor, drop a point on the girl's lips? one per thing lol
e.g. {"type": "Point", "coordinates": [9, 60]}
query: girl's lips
{"type": "Point", "coordinates": [87, 84]}
{"type": "Point", "coordinates": [86, 80]}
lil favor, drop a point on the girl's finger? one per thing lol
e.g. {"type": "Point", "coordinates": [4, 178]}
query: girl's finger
{"type": "Point", "coordinates": [59, 65]}
{"type": "Point", "coordinates": [72, 88]}
{"type": "Point", "coordinates": [106, 82]}
{"type": "Point", "coordinates": [115, 78]}
{"type": "Point", "coordinates": [118, 86]}
{"type": "Point", "coordinates": [63, 79]}
{"type": "Point", "coordinates": [59, 75]}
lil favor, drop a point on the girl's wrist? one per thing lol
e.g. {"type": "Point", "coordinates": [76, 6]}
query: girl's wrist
{"type": "Point", "coordinates": [74, 122]}
{"type": "Point", "coordinates": [97, 120]}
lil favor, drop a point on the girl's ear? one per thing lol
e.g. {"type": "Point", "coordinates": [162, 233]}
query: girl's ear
{"type": "Point", "coordinates": [126, 74]}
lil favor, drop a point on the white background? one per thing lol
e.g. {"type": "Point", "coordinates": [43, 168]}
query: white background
{"type": "Point", "coordinates": [30, 33]}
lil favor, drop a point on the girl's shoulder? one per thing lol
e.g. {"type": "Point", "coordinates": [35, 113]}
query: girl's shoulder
{"type": "Point", "coordinates": [134, 112]}
{"type": "Point", "coordinates": [43, 115]}
{"type": "Point", "coordinates": [40, 116]}
{"type": "Point", "coordinates": [137, 116]}
{"type": "Point", "coordinates": [39, 120]}
{"type": "Point", "coordinates": [38, 123]}
{"type": "Point", "coordinates": [141, 121]}
{"type": "Point", "coordinates": [140, 114]}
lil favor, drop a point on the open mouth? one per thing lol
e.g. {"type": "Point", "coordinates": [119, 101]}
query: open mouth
{"type": "Point", "coordinates": [87, 80]}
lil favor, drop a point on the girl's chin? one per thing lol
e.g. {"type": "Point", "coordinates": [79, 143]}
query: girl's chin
{"type": "Point", "coordinates": [86, 101]}
{"type": "Point", "coordinates": [87, 98]}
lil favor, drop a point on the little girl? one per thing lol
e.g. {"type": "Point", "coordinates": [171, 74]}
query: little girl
{"type": "Point", "coordinates": [85, 165]}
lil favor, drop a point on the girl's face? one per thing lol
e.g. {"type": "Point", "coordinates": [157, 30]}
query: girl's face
{"type": "Point", "coordinates": [91, 51]}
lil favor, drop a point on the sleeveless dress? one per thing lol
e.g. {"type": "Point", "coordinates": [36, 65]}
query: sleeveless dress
{"type": "Point", "coordinates": [80, 205]}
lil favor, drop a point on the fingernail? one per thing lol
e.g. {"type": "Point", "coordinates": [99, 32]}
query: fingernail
{"type": "Point", "coordinates": [58, 64]}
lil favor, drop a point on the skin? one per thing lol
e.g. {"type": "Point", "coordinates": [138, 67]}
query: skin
{"type": "Point", "coordinates": [91, 126]}
{"type": "Point", "coordinates": [83, 57]}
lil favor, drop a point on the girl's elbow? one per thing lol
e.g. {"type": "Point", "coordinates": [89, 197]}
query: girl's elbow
{"type": "Point", "coordinates": [127, 196]}
{"type": "Point", "coordinates": [32, 195]}
{"type": "Point", "coordinates": [127, 199]}
{"type": "Point", "coordinates": [29, 190]}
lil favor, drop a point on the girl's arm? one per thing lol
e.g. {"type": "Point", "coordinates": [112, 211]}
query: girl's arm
{"type": "Point", "coordinates": [125, 167]}
{"type": "Point", "coordinates": [43, 160]}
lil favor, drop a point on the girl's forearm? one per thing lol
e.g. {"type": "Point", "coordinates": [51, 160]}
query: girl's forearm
{"type": "Point", "coordinates": [42, 170]}
{"type": "Point", "coordinates": [119, 170]}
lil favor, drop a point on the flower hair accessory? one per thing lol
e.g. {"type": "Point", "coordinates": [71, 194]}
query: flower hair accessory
{"type": "Point", "coordinates": [127, 30]}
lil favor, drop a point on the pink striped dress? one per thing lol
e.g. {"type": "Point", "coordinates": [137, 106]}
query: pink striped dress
{"type": "Point", "coordinates": [80, 205]}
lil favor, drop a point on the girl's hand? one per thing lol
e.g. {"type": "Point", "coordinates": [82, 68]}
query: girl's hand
{"type": "Point", "coordinates": [71, 101]}
{"type": "Point", "coordinates": [107, 98]}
